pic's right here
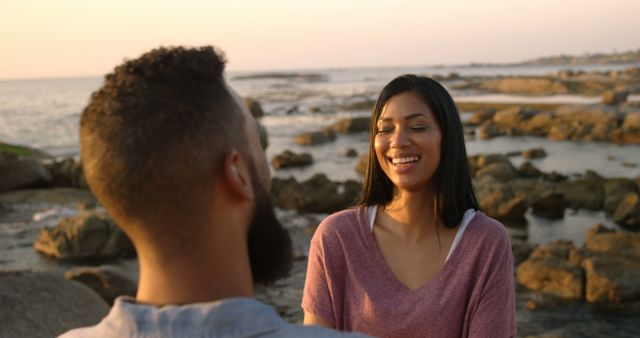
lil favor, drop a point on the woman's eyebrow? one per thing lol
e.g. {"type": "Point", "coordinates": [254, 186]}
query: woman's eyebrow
{"type": "Point", "coordinates": [408, 117]}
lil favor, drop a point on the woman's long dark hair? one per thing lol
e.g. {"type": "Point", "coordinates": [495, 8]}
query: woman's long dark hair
{"type": "Point", "coordinates": [454, 191]}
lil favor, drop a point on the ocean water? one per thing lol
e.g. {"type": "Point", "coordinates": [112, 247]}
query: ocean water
{"type": "Point", "coordinates": [44, 114]}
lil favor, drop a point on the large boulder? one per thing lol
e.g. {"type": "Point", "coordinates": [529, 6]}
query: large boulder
{"type": "Point", "coordinates": [109, 281]}
{"type": "Point", "coordinates": [23, 173]}
{"type": "Point", "coordinates": [322, 136]}
{"type": "Point", "coordinates": [352, 125]}
{"type": "Point", "coordinates": [582, 193]}
{"type": "Point", "coordinates": [612, 265]}
{"type": "Point", "coordinates": [512, 116]}
{"type": "Point", "coordinates": [611, 279]}
{"type": "Point", "coordinates": [499, 200]}
{"type": "Point", "coordinates": [610, 242]}
{"type": "Point", "coordinates": [488, 130]}
{"type": "Point", "coordinates": [41, 304]}
{"type": "Point", "coordinates": [615, 97]}
{"type": "Point", "coordinates": [550, 271]}
{"type": "Point", "coordinates": [317, 194]}
{"type": "Point", "coordinates": [88, 235]}
{"type": "Point", "coordinates": [288, 159]}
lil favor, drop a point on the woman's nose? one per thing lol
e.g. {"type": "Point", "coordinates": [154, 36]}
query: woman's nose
{"type": "Point", "coordinates": [399, 138]}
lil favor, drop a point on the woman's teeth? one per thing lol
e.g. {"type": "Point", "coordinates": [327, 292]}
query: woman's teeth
{"type": "Point", "coordinates": [404, 160]}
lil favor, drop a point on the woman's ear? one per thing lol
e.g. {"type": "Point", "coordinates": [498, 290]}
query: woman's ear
{"type": "Point", "coordinates": [237, 175]}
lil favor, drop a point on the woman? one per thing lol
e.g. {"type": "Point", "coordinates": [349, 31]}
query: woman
{"type": "Point", "coordinates": [415, 259]}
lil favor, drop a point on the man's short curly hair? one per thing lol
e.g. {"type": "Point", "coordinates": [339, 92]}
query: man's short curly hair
{"type": "Point", "coordinates": [157, 129]}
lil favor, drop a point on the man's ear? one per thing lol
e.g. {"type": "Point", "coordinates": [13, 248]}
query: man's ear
{"type": "Point", "coordinates": [237, 175]}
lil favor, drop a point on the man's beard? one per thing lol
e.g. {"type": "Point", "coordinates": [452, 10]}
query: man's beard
{"type": "Point", "coordinates": [269, 244]}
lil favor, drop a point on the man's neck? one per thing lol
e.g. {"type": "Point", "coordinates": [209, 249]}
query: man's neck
{"type": "Point", "coordinates": [198, 276]}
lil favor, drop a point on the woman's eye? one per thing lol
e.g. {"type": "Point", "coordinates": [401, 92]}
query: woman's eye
{"type": "Point", "coordinates": [384, 130]}
{"type": "Point", "coordinates": [419, 128]}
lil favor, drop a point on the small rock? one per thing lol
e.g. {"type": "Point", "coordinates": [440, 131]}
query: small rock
{"type": "Point", "coordinates": [109, 281]}
{"type": "Point", "coordinates": [534, 153]}
{"type": "Point", "coordinates": [254, 107]}
{"type": "Point", "coordinates": [549, 206]}
{"type": "Point", "coordinates": [350, 152]}
{"type": "Point", "coordinates": [288, 159]}
{"type": "Point", "coordinates": [317, 137]}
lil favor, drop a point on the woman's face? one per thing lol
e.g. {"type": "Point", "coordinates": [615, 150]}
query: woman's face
{"type": "Point", "coordinates": [407, 142]}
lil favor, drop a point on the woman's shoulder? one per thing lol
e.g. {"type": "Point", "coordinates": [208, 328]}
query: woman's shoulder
{"type": "Point", "coordinates": [488, 231]}
{"type": "Point", "coordinates": [342, 223]}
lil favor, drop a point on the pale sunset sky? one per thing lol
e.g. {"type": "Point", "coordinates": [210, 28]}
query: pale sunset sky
{"type": "Point", "coordinates": [63, 38]}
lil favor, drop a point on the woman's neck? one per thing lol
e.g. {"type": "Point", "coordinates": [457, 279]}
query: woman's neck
{"type": "Point", "coordinates": [413, 214]}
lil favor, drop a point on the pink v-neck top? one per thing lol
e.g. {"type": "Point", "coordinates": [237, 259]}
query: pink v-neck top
{"type": "Point", "coordinates": [350, 285]}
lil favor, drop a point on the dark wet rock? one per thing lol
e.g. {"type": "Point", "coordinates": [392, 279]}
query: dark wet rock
{"type": "Point", "coordinates": [499, 200]}
{"type": "Point", "coordinates": [264, 136]}
{"type": "Point", "coordinates": [317, 194]}
{"type": "Point", "coordinates": [88, 235]}
{"type": "Point", "coordinates": [479, 117]}
{"type": "Point", "coordinates": [288, 159]}
{"type": "Point", "coordinates": [554, 176]}
{"type": "Point", "coordinates": [582, 194]}
{"type": "Point", "coordinates": [41, 304]}
{"type": "Point", "coordinates": [532, 189]}
{"type": "Point", "coordinates": [316, 137]}
{"type": "Point", "coordinates": [52, 196]}
{"type": "Point", "coordinates": [503, 171]}
{"type": "Point", "coordinates": [109, 281]}
{"type": "Point", "coordinates": [254, 107]}
{"type": "Point", "coordinates": [350, 152]}
{"type": "Point", "coordinates": [352, 125]}
{"type": "Point", "coordinates": [23, 173]}
{"type": "Point", "coordinates": [627, 213]}
{"type": "Point", "coordinates": [548, 270]}
{"type": "Point", "coordinates": [521, 250]}
{"type": "Point", "coordinates": [615, 97]}
{"type": "Point", "coordinates": [534, 153]}
{"type": "Point", "coordinates": [488, 130]}
{"type": "Point", "coordinates": [67, 173]}
{"type": "Point", "coordinates": [351, 192]}
{"type": "Point", "coordinates": [528, 170]}
{"type": "Point", "coordinates": [615, 191]}
{"type": "Point", "coordinates": [361, 166]}
{"type": "Point", "coordinates": [550, 205]}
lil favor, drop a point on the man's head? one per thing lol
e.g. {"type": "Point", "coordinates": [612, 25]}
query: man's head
{"type": "Point", "coordinates": [159, 139]}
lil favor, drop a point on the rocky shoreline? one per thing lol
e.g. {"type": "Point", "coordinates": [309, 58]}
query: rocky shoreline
{"type": "Point", "coordinates": [564, 290]}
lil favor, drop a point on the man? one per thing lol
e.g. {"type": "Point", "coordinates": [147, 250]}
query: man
{"type": "Point", "coordinates": [172, 153]}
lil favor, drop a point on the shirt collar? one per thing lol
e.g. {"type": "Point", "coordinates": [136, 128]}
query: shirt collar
{"type": "Point", "coordinates": [231, 317]}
